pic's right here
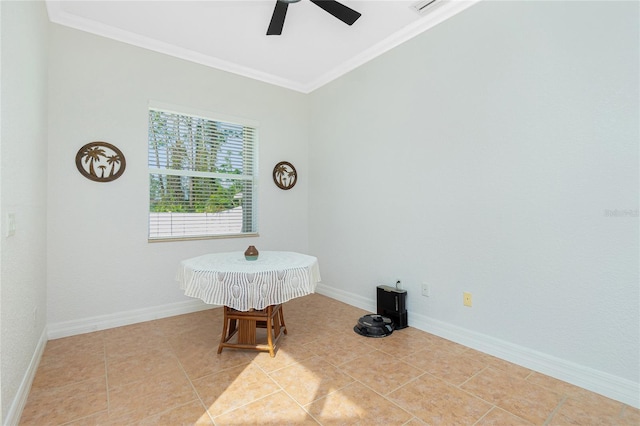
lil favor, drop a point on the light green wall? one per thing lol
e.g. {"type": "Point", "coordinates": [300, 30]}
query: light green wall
{"type": "Point", "coordinates": [100, 91]}
{"type": "Point", "coordinates": [23, 153]}
{"type": "Point", "coordinates": [483, 156]}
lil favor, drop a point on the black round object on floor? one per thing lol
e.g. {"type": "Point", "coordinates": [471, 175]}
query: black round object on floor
{"type": "Point", "coordinates": [373, 325]}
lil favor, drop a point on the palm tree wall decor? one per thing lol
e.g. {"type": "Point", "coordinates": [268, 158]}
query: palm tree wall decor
{"type": "Point", "coordinates": [102, 156]}
{"type": "Point", "coordinates": [285, 175]}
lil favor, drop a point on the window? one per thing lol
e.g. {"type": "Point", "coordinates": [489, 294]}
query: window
{"type": "Point", "coordinates": [202, 177]}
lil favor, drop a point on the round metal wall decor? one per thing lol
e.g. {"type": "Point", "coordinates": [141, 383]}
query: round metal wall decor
{"type": "Point", "coordinates": [100, 162]}
{"type": "Point", "coordinates": [285, 175]}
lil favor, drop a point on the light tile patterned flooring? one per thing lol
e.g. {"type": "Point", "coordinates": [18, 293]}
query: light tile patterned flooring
{"type": "Point", "coordinates": [167, 372]}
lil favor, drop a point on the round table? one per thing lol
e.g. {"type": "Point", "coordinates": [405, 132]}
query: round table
{"type": "Point", "coordinates": [251, 291]}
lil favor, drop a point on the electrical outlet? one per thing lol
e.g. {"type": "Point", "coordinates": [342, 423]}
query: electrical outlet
{"type": "Point", "coordinates": [425, 289]}
{"type": "Point", "coordinates": [466, 299]}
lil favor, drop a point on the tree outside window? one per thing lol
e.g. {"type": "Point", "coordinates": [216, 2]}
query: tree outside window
{"type": "Point", "coordinates": [201, 177]}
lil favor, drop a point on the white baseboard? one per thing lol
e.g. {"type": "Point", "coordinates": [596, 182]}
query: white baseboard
{"type": "Point", "coordinates": [346, 297]}
{"type": "Point", "coordinates": [606, 384]}
{"type": "Point", "coordinates": [17, 406]}
{"type": "Point", "coordinates": [611, 386]}
{"type": "Point", "coordinates": [103, 322]}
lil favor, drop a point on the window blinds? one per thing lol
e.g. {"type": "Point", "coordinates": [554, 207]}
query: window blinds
{"type": "Point", "coordinates": [201, 177]}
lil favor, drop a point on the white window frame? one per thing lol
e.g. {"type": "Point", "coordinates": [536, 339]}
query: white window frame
{"type": "Point", "coordinates": [197, 226]}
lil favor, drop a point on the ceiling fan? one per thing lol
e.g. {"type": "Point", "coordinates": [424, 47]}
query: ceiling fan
{"type": "Point", "coordinates": [339, 10]}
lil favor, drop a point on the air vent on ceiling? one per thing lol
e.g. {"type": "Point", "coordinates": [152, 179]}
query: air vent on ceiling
{"type": "Point", "coordinates": [425, 6]}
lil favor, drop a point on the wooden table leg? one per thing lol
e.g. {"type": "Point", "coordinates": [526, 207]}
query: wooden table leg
{"type": "Point", "coordinates": [244, 324]}
{"type": "Point", "coordinates": [246, 332]}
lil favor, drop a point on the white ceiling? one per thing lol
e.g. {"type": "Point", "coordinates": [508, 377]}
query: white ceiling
{"type": "Point", "coordinates": [314, 47]}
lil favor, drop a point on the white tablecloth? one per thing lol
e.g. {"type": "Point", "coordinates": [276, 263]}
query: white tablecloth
{"type": "Point", "coordinates": [229, 279]}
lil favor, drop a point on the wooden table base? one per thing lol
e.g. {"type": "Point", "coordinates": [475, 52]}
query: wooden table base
{"type": "Point", "coordinates": [244, 325]}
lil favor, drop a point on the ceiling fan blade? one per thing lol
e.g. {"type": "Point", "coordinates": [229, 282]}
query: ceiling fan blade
{"type": "Point", "coordinates": [339, 10]}
{"type": "Point", "coordinates": [277, 19]}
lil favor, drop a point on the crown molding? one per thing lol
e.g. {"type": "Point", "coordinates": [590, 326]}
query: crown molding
{"type": "Point", "coordinates": [430, 20]}
{"type": "Point", "coordinates": [449, 8]}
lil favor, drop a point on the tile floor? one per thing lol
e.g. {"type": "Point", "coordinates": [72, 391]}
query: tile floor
{"type": "Point", "coordinates": [167, 372]}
